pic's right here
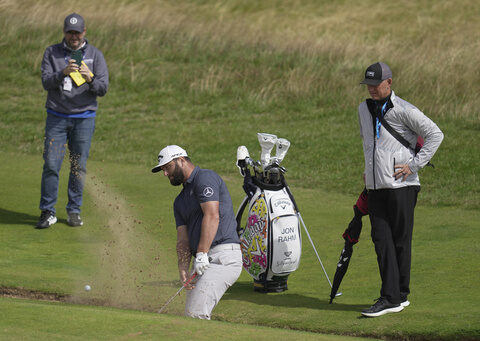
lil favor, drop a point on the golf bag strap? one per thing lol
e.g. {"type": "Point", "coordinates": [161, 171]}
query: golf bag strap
{"type": "Point", "coordinates": [240, 214]}
{"type": "Point", "coordinates": [284, 183]}
{"type": "Point", "coordinates": [248, 186]}
{"type": "Point", "coordinates": [393, 132]}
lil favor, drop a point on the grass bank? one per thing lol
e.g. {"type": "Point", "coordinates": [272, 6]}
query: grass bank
{"type": "Point", "coordinates": [209, 76]}
{"type": "Point", "coordinates": [53, 321]}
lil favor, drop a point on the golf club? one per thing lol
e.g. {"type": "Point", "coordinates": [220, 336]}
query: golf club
{"type": "Point", "coordinates": [282, 148]}
{"type": "Point", "coordinates": [267, 142]}
{"type": "Point", "coordinates": [314, 249]}
{"type": "Point", "coordinates": [254, 164]}
{"type": "Point", "coordinates": [178, 292]}
{"type": "Point", "coordinates": [242, 155]}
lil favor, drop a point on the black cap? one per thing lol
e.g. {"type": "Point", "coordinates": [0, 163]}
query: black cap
{"type": "Point", "coordinates": [74, 22]}
{"type": "Point", "coordinates": [377, 73]}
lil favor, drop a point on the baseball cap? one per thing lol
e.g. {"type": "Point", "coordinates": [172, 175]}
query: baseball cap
{"type": "Point", "coordinates": [74, 22]}
{"type": "Point", "coordinates": [168, 154]}
{"type": "Point", "coordinates": [377, 73]}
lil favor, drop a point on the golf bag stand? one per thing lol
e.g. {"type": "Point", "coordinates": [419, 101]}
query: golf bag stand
{"type": "Point", "coordinates": [270, 240]}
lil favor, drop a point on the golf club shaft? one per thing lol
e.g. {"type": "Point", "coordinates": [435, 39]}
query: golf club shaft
{"type": "Point", "coordinates": [314, 249]}
{"type": "Point", "coordinates": [178, 292]}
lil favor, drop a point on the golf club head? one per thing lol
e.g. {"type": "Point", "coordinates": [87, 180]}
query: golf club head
{"type": "Point", "coordinates": [282, 149]}
{"type": "Point", "coordinates": [267, 142]}
{"type": "Point", "coordinates": [242, 155]}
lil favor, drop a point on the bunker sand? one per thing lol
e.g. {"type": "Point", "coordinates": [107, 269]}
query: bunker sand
{"type": "Point", "coordinates": [132, 270]}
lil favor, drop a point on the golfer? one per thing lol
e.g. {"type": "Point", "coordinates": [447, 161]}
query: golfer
{"type": "Point", "coordinates": [206, 230]}
{"type": "Point", "coordinates": [71, 109]}
{"type": "Point", "coordinates": [391, 179]}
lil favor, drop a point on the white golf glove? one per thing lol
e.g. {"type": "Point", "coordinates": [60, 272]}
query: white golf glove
{"type": "Point", "coordinates": [201, 263]}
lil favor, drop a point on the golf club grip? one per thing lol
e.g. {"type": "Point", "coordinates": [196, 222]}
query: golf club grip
{"type": "Point", "coordinates": [190, 279]}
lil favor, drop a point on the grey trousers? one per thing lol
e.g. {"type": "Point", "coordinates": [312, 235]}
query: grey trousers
{"type": "Point", "coordinates": [225, 268]}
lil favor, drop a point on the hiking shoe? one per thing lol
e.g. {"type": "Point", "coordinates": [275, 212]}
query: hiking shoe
{"type": "Point", "coordinates": [74, 219]}
{"type": "Point", "coordinates": [405, 303]}
{"type": "Point", "coordinates": [382, 307]}
{"type": "Point", "coordinates": [47, 218]}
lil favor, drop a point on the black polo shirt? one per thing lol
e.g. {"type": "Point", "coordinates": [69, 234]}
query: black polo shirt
{"type": "Point", "coordinates": [205, 185]}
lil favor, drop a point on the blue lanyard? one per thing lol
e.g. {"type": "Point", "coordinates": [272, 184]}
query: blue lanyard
{"type": "Point", "coordinates": [378, 123]}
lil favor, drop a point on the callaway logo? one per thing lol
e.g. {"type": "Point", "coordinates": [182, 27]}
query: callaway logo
{"type": "Point", "coordinates": [282, 203]}
{"type": "Point", "coordinates": [73, 21]}
{"type": "Point", "coordinates": [160, 157]}
{"type": "Point", "coordinates": [208, 192]}
{"type": "Point", "coordinates": [287, 253]}
{"type": "Point", "coordinates": [370, 74]}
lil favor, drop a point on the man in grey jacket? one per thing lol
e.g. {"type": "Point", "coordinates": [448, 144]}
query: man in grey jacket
{"type": "Point", "coordinates": [391, 178]}
{"type": "Point", "coordinates": [74, 73]}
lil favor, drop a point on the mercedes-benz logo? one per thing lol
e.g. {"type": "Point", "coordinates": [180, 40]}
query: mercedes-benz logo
{"type": "Point", "coordinates": [73, 21]}
{"type": "Point", "coordinates": [208, 192]}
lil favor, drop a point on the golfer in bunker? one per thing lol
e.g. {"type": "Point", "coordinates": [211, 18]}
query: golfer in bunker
{"type": "Point", "coordinates": [206, 230]}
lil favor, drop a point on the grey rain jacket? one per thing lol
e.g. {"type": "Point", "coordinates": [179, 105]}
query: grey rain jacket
{"type": "Point", "coordinates": [382, 154]}
{"type": "Point", "coordinates": [80, 98]}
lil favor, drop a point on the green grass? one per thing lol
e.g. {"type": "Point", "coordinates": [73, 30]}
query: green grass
{"type": "Point", "coordinates": [209, 75]}
{"type": "Point", "coordinates": [126, 252]}
{"type": "Point", "coordinates": [53, 321]}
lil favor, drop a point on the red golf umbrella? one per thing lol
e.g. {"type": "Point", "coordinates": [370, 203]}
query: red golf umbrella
{"type": "Point", "coordinates": [351, 236]}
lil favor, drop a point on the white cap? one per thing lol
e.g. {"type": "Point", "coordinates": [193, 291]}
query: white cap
{"type": "Point", "coordinates": [168, 154]}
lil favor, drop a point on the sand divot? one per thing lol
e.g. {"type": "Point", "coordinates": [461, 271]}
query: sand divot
{"type": "Point", "coordinates": [132, 266]}
{"type": "Point", "coordinates": [126, 263]}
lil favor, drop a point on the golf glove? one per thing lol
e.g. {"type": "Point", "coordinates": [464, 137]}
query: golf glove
{"type": "Point", "coordinates": [201, 263]}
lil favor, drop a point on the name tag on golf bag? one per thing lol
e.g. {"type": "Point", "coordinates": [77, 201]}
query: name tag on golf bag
{"type": "Point", "coordinates": [271, 240]}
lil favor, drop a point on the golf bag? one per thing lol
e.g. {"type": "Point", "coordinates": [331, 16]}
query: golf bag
{"type": "Point", "coordinates": [270, 239]}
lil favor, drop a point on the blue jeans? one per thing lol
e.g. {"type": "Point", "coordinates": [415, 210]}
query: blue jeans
{"type": "Point", "coordinates": [77, 134]}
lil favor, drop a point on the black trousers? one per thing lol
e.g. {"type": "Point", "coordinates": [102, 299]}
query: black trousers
{"type": "Point", "coordinates": [391, 216]}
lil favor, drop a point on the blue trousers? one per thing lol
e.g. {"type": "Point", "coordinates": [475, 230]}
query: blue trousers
{"type": "Point", "coordinates": [60, 132]}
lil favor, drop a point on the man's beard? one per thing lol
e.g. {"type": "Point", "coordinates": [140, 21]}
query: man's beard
{"type": "Point", "coordinates": [177, 176]}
